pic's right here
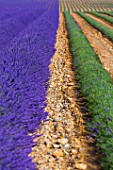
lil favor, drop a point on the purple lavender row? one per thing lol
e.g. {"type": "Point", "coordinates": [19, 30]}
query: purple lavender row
{"type": "Point", "coordinates": [24, 73]}
{"type": "Point", "coordinates": [5, 4]}
{"type": "Point", "coordinates": [8, 9]}
{"type": "Point", "coordinates": [11, 27]}
{"type": "Point", "coordinates": [10, 12]}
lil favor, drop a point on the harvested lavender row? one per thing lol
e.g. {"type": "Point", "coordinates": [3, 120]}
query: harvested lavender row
{"type": "Point", "coordinates": [24, 73]}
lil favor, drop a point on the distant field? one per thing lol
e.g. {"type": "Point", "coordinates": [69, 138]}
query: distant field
{"type": "Point", "coordinates": [87, 5]}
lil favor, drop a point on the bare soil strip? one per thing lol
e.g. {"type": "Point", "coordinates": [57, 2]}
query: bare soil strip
{"type": "Point", "coordinates": [63, 145]}
{"type": "Point", "coordinates": [101, 45]}
{"type": "Point", "coordinates": [100, 21]}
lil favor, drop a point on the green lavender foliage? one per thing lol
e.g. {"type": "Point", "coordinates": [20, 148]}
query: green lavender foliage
{"type": "Point", "coordinates": [106, 18]}
{"type": "Point", "coordinates": [97, 87]}
{"type": "Point", "coordinates": [110, 13]}
{"type": "Point", "coordinates": [100, 27]}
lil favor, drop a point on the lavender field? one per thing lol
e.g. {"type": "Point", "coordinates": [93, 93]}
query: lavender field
{"type": "Point", "coordinates": [27, 38]}
{"type": "Point", "coordinates": [56, 84]}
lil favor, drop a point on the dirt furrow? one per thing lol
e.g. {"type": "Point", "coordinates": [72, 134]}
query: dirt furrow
{"type": "Point", "coordinates": [101, 21]}
{"type": "Point", "coordinates": [63, 145]}
{"type": "Point", "coordinates": [101, 45]}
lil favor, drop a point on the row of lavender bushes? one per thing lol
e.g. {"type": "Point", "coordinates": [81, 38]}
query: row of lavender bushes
{"type": "Point", "coordinates": [96, 86]}
{"type": "Point", "coordinates": [13, 22]}
{"type": "Point", "coordinates": [9, 8]}
{"type": "Point", "coordinates": [23, 75]}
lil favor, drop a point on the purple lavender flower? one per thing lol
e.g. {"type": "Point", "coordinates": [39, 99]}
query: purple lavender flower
{"type": "Point", "coordinates": [23, 74]}
{"type": "Point", "coordinates": [106, 109]}
{"type": "Point", "coordinates": [110, 118]}
{"type": "Point", "coordinates": [96, 130]}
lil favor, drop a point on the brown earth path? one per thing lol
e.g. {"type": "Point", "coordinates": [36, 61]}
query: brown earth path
{"type": "Point", "coordinates": [63, 145]}
{"type": "Point", "coordinates": [100, 21]}
{"type": "Point", "coordinates": [101, 45]}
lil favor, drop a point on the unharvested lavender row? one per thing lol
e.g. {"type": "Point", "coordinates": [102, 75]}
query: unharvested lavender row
{"type": "Point", "coordinates": [8, 13]}
{"type": "Point", "coordinates": [11, 27]}
{"type": "Point", "coordinates": [24, 73]}
{"type": "Point", "coordinates": [12, 4]}
{"type": "Point", "coordinates": [9, 8]}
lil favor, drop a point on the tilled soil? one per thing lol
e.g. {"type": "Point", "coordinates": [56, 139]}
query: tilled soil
{"type": "Point", "coordinates": [64, 144]}
{"type": "Point", "coordinates": [101, 21]}
{"type": "Point", "coordinates": [101, 45]}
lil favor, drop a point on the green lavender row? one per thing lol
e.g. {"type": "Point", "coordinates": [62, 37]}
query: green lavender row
{"type": "Point", "coordinates": [100, 27]}
{"type": "Point", "coordinates": [97, 87]}
{"type": "Point", "coordinates": [110, 13]}
{"type": "Point", "coordinates": [106, 18]}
